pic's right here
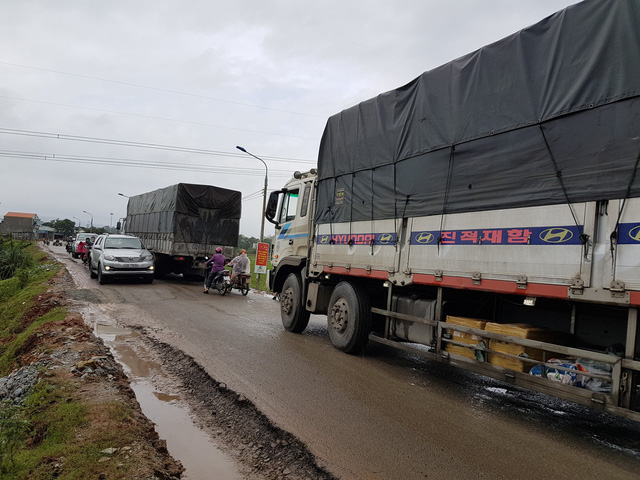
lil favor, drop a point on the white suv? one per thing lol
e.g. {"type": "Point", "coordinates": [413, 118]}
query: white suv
{"type": "Point", "coordinates": [120, 256]}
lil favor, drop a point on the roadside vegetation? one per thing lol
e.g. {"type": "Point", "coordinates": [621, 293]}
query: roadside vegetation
{"type": "Point", "coordinates": [56, 425]}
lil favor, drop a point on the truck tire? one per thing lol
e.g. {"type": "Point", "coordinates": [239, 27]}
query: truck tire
{"type": "Point", "coordinates": [295, 317]}
{"type": "Point", "coordinates": [349, 318]}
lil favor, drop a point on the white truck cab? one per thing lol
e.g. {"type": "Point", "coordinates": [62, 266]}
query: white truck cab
{"type": "Point", "coordinates": [291, 211]}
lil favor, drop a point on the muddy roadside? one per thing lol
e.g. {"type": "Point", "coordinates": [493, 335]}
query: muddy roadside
{"type": "Point", "coordinates": [259, 449]}
{"type": "Point", "coordinates": [63, 372]}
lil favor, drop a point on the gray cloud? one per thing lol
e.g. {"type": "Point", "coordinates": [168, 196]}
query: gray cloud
{"type": "Point", "coordinates": [264, 75]}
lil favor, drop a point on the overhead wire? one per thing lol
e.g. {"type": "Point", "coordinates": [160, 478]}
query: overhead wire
{"type": "Point", "coordinates": [127, 143]}
{"type": "Point", "coordinates": [166, 90]}
{"type": "Point", "coordinates": [202, 124]}
{"type": "Point", "coordinates": [139, 163]}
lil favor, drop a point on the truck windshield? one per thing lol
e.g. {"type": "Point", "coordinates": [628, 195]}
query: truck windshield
{"type": "Point", "coordinates": [123, 243]}
{"type": "Point", "coordinates": [289, 206]}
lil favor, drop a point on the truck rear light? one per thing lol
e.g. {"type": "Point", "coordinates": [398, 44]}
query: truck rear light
{"type": "Point", "coordinates": [179, 258]}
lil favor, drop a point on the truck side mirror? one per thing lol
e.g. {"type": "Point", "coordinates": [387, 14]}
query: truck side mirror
{"type": "Point", "coordinates": [272, 207]}
{"type": "Point", "coordinates": [118, 226]}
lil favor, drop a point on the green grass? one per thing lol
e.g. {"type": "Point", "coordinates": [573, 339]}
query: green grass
{"type": "Point", "coordinates": [53, 417]}
{"type": "Point", "coordinates": [10, 351]}
{"type": "Point", "coordinates": [263, 277]}
{"type": "Point", "coordinates": [17, 295]}
{"type": "Point", "coordinates": [14, 256]}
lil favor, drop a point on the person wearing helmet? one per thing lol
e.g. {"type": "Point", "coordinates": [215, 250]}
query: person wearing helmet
{"type": "Point", "coordinates": [217, 262]}
{"type": "Point", "coordinates": [241, 265]}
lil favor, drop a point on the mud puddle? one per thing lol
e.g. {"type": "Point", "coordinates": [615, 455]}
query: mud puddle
{"type": "Point", "coordinates": [201, 458]}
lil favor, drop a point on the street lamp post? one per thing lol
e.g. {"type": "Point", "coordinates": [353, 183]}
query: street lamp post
{"type": "Point", "coordinates": [111, 223]}
{"type": "Point", "coordinates": [84, 211]}
{"type": "Point", "coordinates": [264, 196]}
{"type": "Point", "coordinates": [266, 184]}
{"type": "Point", "coordinates": [78, 222]}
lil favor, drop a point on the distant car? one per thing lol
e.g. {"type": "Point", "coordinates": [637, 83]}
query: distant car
{"type": "Point", "coordinates": [120, 256]}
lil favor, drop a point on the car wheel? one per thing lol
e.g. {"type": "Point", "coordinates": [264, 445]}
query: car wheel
{"type": "Point", "coordinates": [101, 278]}
{"type": "Point", "coordinates": [92, 273]}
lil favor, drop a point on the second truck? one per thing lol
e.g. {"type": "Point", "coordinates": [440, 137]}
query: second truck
{"type": "Point", "coordinates": [184, 223]}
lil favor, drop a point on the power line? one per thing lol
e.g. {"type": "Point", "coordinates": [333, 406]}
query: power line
{"type": "Point", "coordinates": [126, 143]}
{"type": "Point", "coordinates": [137, 163]}
{"type": "Point", "coordinates": [175, 92]}
{"type": "Point", "coordinates": [256, 194]}
{"type": "Point", "coordinates": [154, 117]}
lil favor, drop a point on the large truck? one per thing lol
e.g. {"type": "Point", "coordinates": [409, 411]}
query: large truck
{"type": "Point", "coordinates": [184, 223]}
{"type": "Point", "coordinates": [486, 214]}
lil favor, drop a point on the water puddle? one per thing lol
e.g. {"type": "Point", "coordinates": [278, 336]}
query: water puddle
{"type": "Point", "coordinates": [201, 458]}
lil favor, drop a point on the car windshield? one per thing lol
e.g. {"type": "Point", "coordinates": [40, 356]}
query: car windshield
{"type": "Point", "coordinates": [133, 243]}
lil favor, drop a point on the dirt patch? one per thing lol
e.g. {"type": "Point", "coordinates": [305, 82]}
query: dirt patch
{"type": "Point", "coordinates": [242, 431]}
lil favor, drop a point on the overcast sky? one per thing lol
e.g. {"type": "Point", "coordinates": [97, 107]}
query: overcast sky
{"type": "Point", "coordinates": [204, 75]}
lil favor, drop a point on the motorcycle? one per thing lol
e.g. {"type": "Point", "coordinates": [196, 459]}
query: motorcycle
{"type": "Point", "coordinates": [221, 282]}
{"type": "Point", "coordinates": [241, 282]}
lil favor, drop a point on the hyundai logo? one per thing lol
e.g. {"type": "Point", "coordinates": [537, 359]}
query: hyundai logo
{"type": "Point", "coordinates": [424, 238]}
{"type": "Point", "coordinates": [556, 235]}
{"type": "Point", "coordinates": [634, 233]}
{"type": "Point", "coordinates": [385, 238]}
{"type": "Point", "coordinates": [324, 239]}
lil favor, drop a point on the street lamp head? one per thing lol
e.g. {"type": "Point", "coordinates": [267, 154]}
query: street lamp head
{"type": "Point", "coordinates": [241, 149]}
{"type": "Point", "coordinates": [123, 195]}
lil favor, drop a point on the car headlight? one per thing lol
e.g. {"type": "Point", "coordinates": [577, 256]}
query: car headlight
{"type": "Point", "coordinates": [146, 258]}
{"type": "Point", "coordinates": [111, 258]}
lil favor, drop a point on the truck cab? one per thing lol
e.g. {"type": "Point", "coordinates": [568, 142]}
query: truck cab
{"type": "Point", "coordinates": [291, 211]}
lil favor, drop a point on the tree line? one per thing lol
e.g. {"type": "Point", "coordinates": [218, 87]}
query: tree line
{"type": "Point", "coordinates": [68, 229]}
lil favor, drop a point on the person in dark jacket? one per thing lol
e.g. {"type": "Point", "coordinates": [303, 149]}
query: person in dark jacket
{"type": "Point", "coordinates": [217, 262]}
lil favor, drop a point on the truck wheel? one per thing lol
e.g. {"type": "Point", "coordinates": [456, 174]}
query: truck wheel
{"type": "Point", "coordinates": [349, 318]}
{"type": "Point", "coordinates": [295, 317]}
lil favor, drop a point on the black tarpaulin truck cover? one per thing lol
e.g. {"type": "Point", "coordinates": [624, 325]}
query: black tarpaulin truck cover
{"type": "Point", "coordinates": [548, 115]}
{"type": "Point", "coordinates": [201, 214]}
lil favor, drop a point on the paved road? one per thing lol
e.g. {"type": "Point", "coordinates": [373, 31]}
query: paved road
{"type": "Point", "coordinates": [384, 415]}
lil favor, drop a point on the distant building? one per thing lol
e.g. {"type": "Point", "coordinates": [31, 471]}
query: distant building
{"type": "Point", "coordinates": [46, 232]}
{"type": "Point", "coordinates": [20, 225]}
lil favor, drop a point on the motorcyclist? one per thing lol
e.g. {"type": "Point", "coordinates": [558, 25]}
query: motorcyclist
{"type": "Point", "coordinates": [82, 250]}
{"type": "Point", "coordinates": [89, 241]}
{"type": "Point", "coordinates": [241, 265]}
{"type": "Point", "coordinates": [217, 262]}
